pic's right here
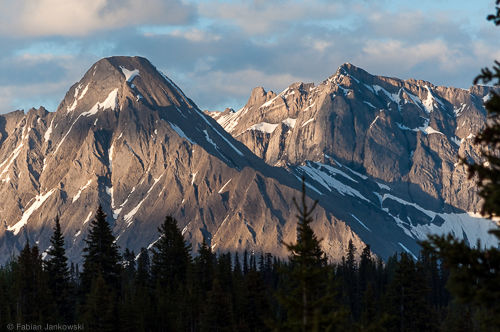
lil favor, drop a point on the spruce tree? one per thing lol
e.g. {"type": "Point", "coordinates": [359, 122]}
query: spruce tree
{"type": "Point", "coordinates": [100, 254]}
{"type": "Point", "coordinates": [34, 303]}
{"type": "Point", "coordinates": [171, 262]}
{"type": "Point", "coordinates": [407, 299]}
{"type": "Point", "coordinates": [143, 296]}
{"type": "Point", "coordinates": [171, 255]}
{"type": "Point", "coordinates": [309, 306]}
{"type": "Point", "coordinates": [99, 310]}
{"type": "Point", "coordinates": [58, 273]}
{"type": "Point", "coordinates": [142, 277]}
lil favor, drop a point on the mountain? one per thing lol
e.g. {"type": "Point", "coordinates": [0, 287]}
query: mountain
{"type": "Point", "coordinates": [379, 154]}
{"type": "Point", "coordinates": [126, 137]}
{"type": "Point", "coordinates": [389, 143]}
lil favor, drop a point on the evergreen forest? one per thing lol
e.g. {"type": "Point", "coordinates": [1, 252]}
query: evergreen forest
{"type": "Point", "coordinates": [173, 287]}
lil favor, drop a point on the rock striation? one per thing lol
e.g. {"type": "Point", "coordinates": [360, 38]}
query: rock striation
{"type": "Point", "coordinates": [126, 137]}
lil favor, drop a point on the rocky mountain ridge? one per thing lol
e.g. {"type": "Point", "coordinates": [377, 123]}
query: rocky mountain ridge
{"type": "Point", "coordinates": [125, 136]}
{"type": "Point", "coordinates": [389, 129]}
{"type": "Point", "coordinates": [396, 139]}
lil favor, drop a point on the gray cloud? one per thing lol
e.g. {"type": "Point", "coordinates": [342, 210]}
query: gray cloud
{"type": "Point", "coordinates": [233, 47]}
{"type": "Point", "coordinates": [80, 18]}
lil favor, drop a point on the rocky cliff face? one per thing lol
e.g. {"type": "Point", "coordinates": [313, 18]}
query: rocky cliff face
{"type": "Point", "coordinates": [398, 140]}
{"type": "Point", "coordinates": [126, 137]}
{"type": "Point", "coordinates": [378, 154]}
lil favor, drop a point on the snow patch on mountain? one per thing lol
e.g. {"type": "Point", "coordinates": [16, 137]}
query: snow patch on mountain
{"type": "Point", "coordinates": [111, 102]}
{"type": "Point", "coordinates": [264, 127]}
{"type": "Point", "coordinates": [48, 132]}
{"type": "Point", "coordinates": [88, 218]}
{"type": "Point", "coordinates": [429, 102]}
{"type": "Point", "coordinates": [180, 132]}
{"type": "Point", "coordinates": [203, 116]}
{"type": "Point", "coordinates": [224, 186]}
{"type": "Point", "coordinates": [77, 196]}
{"type": "Point", "coordinates": [307, 122]}
{"type": "Point", "coordinates": [329, 182]}
{"type": "Point", "coordinates": [129, 216]}
{"type": "Point", "coordinates": [407, 250]}
{"type": "Point", "coordinates": [14, 153]}
{"type": "Point", "coordinates": [129, 74]}
{"type": "Point", "coordinates": [362, 224]}
{"type": "Point", "coordinates": [77, 98]}
{"type": "Point", "coordinates": [472, 225]}
{"type": "Point", "coordinates": [289, 122]}
{"type": "Point", "coordinates": [39, 200]}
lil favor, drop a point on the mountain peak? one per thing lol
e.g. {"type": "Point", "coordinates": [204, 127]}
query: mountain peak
{"type": "Point", "coordinates": [351, 70]}
{"type": "Point", "coordinates": [111, 82]}
{"type": "Point", "coordinates": [260, 96]}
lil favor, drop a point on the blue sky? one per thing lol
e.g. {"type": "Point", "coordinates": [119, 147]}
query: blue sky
{"type": "Point", "coordinates": [217, 51]}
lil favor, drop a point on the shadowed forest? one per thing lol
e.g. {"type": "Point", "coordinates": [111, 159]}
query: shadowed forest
{"type": "Point", "coordinates": [172, 288]}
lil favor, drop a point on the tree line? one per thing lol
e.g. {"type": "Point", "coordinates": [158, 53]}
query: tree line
{"type": "Point", "coordinates": [174, 288]}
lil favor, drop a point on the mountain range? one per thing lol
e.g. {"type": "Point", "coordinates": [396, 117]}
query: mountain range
{"type": "Point", "coordinates": [378, 153]}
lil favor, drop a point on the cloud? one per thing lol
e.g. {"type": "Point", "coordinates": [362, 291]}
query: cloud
{"type": "Point", "coordinates": [260, 17]}
{"type": "Point", "coordinates": [80, 18]}
{"type": "Point", "coordinates": [224, 49]}
{"type": "Point", "coordinates": [33, 80]}
{"type": "Point", "coordinates": [230, 89]}
{"type": "Point", "coordinates": [195, 35]}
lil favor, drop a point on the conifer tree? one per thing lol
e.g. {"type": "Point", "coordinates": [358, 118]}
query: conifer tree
{"type": "Point", "coordinates": [309, 307]}
{"type": "Point", "coordinates": [407, 298]}
{"type": "Point", "coordinates": [255, 302]}
{"type": "Point", "coordinates": [142, 277]}
{"type": "Point", "coordinates": [34, 303]}
{"type": "Point", "coordinates": [99, 310]}
{"type": "Point", "coordinates": [171, 255]}
{"type": "Point", "coordinates": [205, 266]}
{"type": "Point", "coordinates": [7, 295]}
{"type": "Point", "coordinates": [171, 262]}
{"type": "Point", "coordinates": [100, 254]}
{"type": "Point", "coordinates": [143, 302]}
{"type": "Point", "coordinates": [218, 313]}
{"type": "Point", "coordinates": [245, 262]}
{"type": "Point", "coordinates": [58, 273]}
{"type": "Point", "coordinates": [350, 276]}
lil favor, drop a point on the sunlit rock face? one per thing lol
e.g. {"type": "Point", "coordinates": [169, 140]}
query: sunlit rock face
{"type": "Point", "coordinates": [391, 142]}
{"type": "Point", "coordinates": [126, 137]}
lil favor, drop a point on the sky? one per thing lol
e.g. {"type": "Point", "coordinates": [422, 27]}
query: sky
{"type": "Point", "coordinates": [217, 51]}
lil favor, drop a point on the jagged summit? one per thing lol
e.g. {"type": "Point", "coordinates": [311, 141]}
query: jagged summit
{"type": "Point", "coordinates": [379, 155]}
{"type": "Point", "coordinates": [114, 82]}
{"type": "Point", "coordinates": [355, 127]}
{"type": "Point", "coordinates": [126, 137]}
{"type": "Point", "coordinates": [349, 68]}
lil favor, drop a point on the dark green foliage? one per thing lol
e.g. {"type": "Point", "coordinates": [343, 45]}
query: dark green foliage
{"type": "Point", "coordinates": [30, 288]}
{"type": "Point", "coordinates": [171, 264]}
{"type": "Point", "coordinates": [100, 254]}
{"type": "Point", "coordinates": [258, 293]}
{"type": "Point", "coordinates": [171, 255]}
{"type": "Point", "coordinates": [215, 294]}
{"type": "Point", "coordinates": [407, 298]}
{"type": "Point", "coordinates": [59, 274]}
{"type": "Point", "coordinates": [142, 276]}
{"type": "Point", "coordinates": [99, 311]}
{"type": "Point", "coordinates": [309, 305]}
{"type": "Point", "coordinates": [474, 276]}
